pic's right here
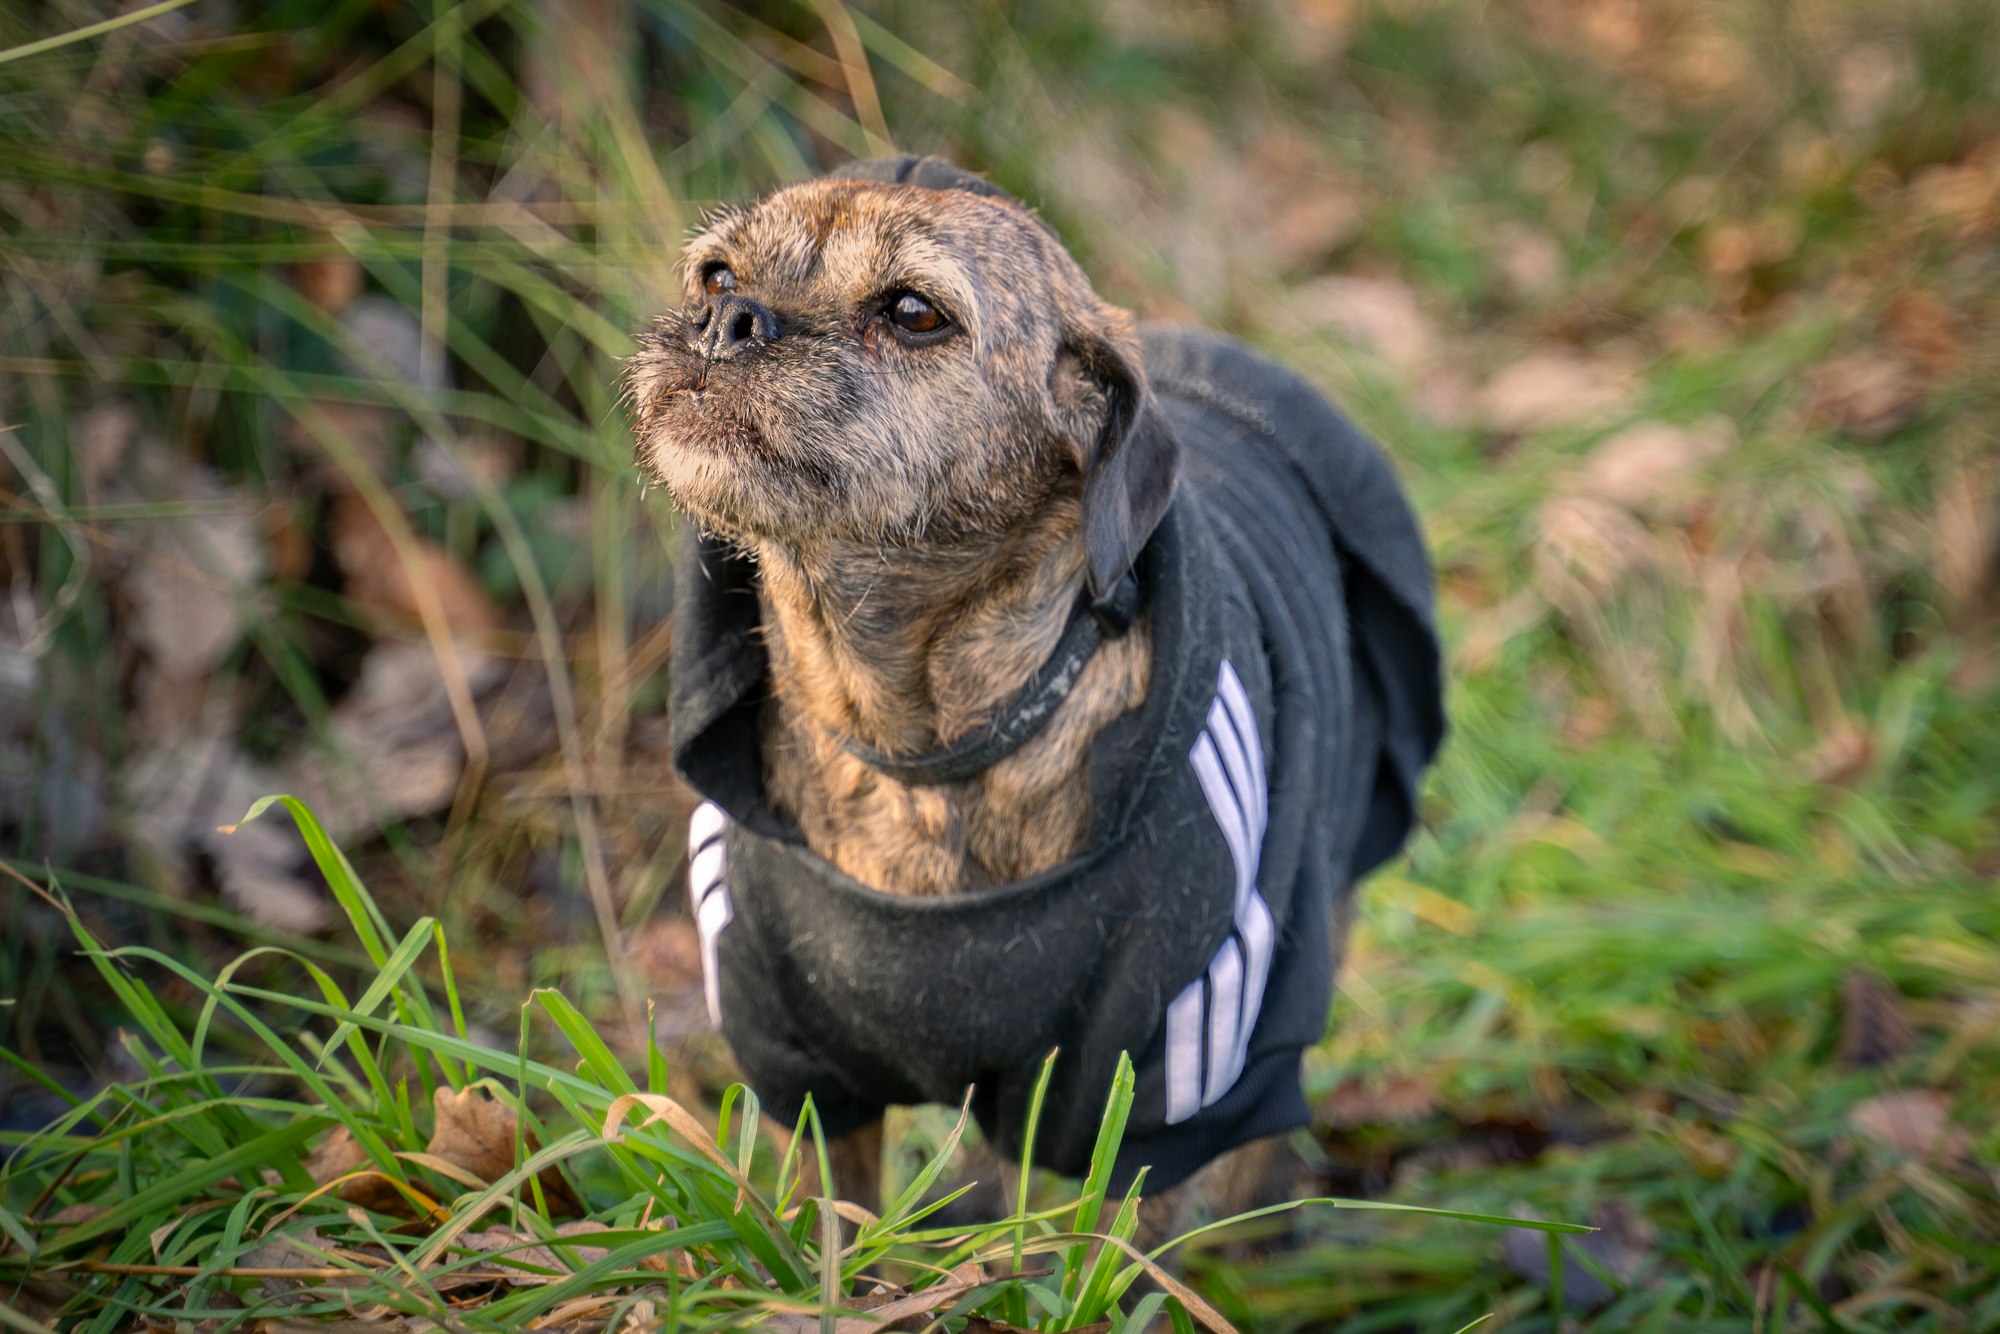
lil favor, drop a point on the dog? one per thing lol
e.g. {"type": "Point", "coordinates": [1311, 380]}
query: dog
{"type": "Point", "coordinates": [1048, 681]}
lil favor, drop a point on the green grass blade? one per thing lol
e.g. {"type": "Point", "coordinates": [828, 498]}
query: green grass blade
{"type": "Point", "coordinates": [598, 1060]}
{"type": "Point", "coordinates": [927, 1176]}
{"type": "Point", "coordinates": [36, 1075]}
{"type": "Point", "coordinates": [13, 1319]}
{"type": "Point", "coordinates": [1103, 1157]}
{"type": "Point", "coordinates": [1555, 1263]}
{"type": "Point", "coordinates": [90, 30]}
{"type": "Point", "coordinates": [1036, 1099]}
{"type": "Point", "coordinates": [12, 1227]}
{"type": "Point", "coordinates": [363, 916]}
{"type": "Point", "coordinates": [272, 1146]}
{"type": "Point", "coordinates": [1105, 1283]}
{"type": "Point", "coordinates": [390, 976]}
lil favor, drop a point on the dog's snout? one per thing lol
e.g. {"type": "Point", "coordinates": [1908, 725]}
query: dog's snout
{"type": "Point", "coordinates": [728, 324]}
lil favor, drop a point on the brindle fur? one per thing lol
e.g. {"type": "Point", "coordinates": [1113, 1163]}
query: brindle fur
{"type": "Point", "coordinates": [916, 515]}
{"type": "Point", "coordinates": [923, 520]}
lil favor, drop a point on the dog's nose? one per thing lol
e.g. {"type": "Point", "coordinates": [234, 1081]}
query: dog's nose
{"type": "Point", "coordinates": [731, 323]}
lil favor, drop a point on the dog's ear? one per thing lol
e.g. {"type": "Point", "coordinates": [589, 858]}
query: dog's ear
{"type": "Point", "coordinates": [932, 173]}
{"type": "Point", "coordinates": [1131, 464]}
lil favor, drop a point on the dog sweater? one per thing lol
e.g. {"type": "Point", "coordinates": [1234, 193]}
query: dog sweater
{"type": "Point", "coordinates": [1294, 703]}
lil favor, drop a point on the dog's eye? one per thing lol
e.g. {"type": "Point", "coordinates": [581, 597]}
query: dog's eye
{"type": "Point", "coordinates": [912, 314]}
{"type": "Point", "coordinates": [717, 279]}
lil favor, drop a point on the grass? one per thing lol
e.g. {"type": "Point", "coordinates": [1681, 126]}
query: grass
{"type": "Point", "coordinates": [198, 1192]}
{"type": "Point", "coordinates": [1699, 943]}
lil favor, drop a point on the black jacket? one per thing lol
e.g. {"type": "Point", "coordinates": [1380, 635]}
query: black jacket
{"type": "Point", "coordinates": [1295, 700]}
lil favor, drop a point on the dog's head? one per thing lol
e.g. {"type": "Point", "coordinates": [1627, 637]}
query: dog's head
{"type": "Point", "coordinates": [896, 355]}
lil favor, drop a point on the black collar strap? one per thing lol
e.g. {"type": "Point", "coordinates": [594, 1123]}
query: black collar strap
{"type": "Point", "coordinates": [1021, 718]}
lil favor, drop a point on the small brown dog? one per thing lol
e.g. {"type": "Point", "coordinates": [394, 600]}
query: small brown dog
{"type": "Point", "coordinates": [1049, 685]}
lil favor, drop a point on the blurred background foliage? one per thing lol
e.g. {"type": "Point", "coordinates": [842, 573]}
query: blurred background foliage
{"type": "Point", "coordinates": [1679, 317]}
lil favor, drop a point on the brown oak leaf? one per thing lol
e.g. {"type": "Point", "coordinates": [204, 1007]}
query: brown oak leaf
{"type": "Point", "coordinates": [476, 1133]}
{"type": "Point", "coordinates": [1912, 1122]}
{"type": "Point", "coordinates": [339, 1154]}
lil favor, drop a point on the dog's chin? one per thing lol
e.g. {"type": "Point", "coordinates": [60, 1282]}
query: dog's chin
{"type": "Point", "coordinates": [712, 478]}
{"type": "Point", "coordinates": [724, 473]}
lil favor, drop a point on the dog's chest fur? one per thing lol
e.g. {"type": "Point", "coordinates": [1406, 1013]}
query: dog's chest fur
{"type": "Point", "coordinates": [863, 647]}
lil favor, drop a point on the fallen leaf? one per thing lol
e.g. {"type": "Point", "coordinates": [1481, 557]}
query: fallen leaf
{"type": "Point", "coordinates": [1926, 330]}
{"type": "Point", "coordinates": [1618, 33]}
{"type": "Point", "coordinates": [392, 750]}
{"type": "Point", "coordinates": [1842, 757]}
{"type": "Point", "coordinates": [1380, 315]}
{"type": "Point", "coordinates": [103, 434]}
{"type": "Point", "coordinates": [1448, 396]}
{"type": "Point", "coordinates": [1729, 250]}
{"type": "Point", "coordinates": [1310, 222]}
{"type": "Point", "coordinates": [477, 462]}
{"type": "Point", "coordinates": [1589, 720]}
{"type": "Point", "coordinates": [1488, 632]}
{"type": "Point", "coordinates": [340, 1154]}
{"type": "Point", "coordinates": [1873, 1028]}
{"type": "Point", "coordinates": [890, 1308]}
{"type": "Point", "coordinates": [1586, 549]}
{"type": "Point", "coordinates": [667, 951]}
{"type": "Point", "coordinates": [1398, 1100]}
{"type": "Point", "coordinates": [1964, 198]}
{"type": "Point", "coordinates": [1530, 261]}
{"type": "Point", "coordinates": [516, 1255]}
{"type": "Point", "coordinates": [306, 1251]}
{"type": "Point", "coordinates": [888, 1314]}
{"type": "Point", "coordinates": [1749, 262]}
{"type": "Point", "coordinates": [183, 788]}
{"type": "Point", "coordinates": [72, 1214]}
{"type": "Point", "coordinates": [291, 545]}
{"type": "Point", "coordinates": [1295, 208]}
{"type": "Point", "coordinates": [1316, 32]}
{"type": "Point", "coordinates": [1868, 80]}
{"type": "Point", "coordinates": [1913, 1122]}
{"type": "Point", "coordinates": [328, 429]}
{"type": "Point", "coordinates": [1868, 395]}
{"type": "Point", "coordinates": [386, 341]}
{"type": "Point", "coordinates": [1652, 468]}
{"type": "Point", "coordinates": [1555, 388]}
{"type": "Point", "coordinates": [1706, 61]}
{"type": "Point", "coordinates": [378, 577]}
{"type": "Point", "coordinates": [331, 284]}
{"type": "Point", "coordinates": [476, 1133]}
{"type": "Point", "coordinates": [1693, 334]}
{"type": "Point", "coordinates": [1966, 549]}
{"type": "Point", "coordinates": [1839, 585]}
{"type": "Point", "coordinates": [190, 579]}
{"type": "Point", "coordinates": [335, 1156]}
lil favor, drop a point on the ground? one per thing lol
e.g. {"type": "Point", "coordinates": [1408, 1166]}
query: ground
{"type": "Point", "coordinates": [1680, 319]}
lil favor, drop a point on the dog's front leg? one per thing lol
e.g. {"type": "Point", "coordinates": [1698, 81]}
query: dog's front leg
{"type": "Point", "coordinates": [1251, 1176]}
{"type": "Point", "coordinates": [855, 1160]}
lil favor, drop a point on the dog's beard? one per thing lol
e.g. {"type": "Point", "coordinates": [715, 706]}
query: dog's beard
{"type": "Point", "coordinates": [705, 424]}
